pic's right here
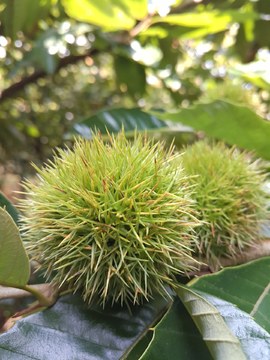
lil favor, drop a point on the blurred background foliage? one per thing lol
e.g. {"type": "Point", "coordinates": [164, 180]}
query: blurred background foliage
{"type": "Point", "coordinates": [62, 61]}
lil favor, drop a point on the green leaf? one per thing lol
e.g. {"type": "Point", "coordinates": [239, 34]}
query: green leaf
{"type": "Point", "coordinates": [69, 330]}
{"type": "Point", "coordinates": [242, 46]}
{"type": "Point", "coordinates": [254, 340]}
{"type": "Point", "coordinates": [10, 208]}
{"type": "Point", "coordinates": [226, 121]}
{"type": "Point", "coordinates": [206, 22]}
{"type": "Point", "coordinates": [113, 120]}
{"type": "Point", "coordinates": [176, 337]}
{"type": "Point", "coordinates": [14, 262]}
{"type": "Point", "coordinates": [205, 19]}
{"type": "Point", "coordinates": [222, 343]}
{"type": "Point", "coordinates": [111, 15]}
{"type": "Point", "coordinates": [170, 55]}
{"type": "Point", "coordinates": [131, 73]}
{"type": "Point", "coordinates": [247, 286]}
{"type": "Point", "coordinates": [22, 15]}
{"type": "Point", "coordinates": [108, 334]}
{"type": "Point", "coordinates": [262, 26]}
{"type": "Point", "coordinates": [155, 31]}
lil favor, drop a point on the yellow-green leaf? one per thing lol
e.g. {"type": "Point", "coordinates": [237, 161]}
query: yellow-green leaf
{"type": "Point", "coordinates": [111, 15]}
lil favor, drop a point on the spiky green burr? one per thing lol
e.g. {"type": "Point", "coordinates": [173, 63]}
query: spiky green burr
{"type": "Point", "coordinates": [113, 219]}
{"type": "Point", "coordinates": [229, 198]}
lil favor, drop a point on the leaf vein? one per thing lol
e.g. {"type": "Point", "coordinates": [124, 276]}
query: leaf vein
{"type": "Point", "coordinates": [256, 306]}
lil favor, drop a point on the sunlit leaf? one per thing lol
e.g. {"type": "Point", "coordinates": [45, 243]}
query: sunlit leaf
{"type": "Point", "coordinates": [206, 22]}
{"type": "Point", "coordinates": [257, 73]}
{"type": "Point", "coordinates": [226, 121]}
{"type": "Point", "coordinates": [111, 15]}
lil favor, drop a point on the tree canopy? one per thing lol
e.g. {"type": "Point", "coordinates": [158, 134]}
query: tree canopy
{"type": "Point", "coordinates": [62, 61]}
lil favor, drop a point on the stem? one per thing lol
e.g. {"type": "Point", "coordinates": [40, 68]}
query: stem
{"type": "Point", "coordinates": [9, 292]}
{"type": "Point", "coordinates": [44, 293]}
{"type": "Point", "coordinates": [43, 300]}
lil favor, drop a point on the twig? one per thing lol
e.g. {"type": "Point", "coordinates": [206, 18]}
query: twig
{"type": "Point", "coordinates": [188, 5]}
{"type": "Point", "coordinates": [11, 321]}
{"type": "Point", "coordinates": [252, 253]}
{"type": "Point", "coordinates": [27, 311]}
{"type": "Point", "coordinates": [143, 25]}
{"type": "Point", "coordinates": [72, 59]}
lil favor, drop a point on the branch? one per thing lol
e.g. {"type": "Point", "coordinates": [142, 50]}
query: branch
{"type": "Point", "coordinates": [27, 311]}
{"type": "Point", "coordinates": [143, 25]}
{"type": "Point", "coordinates": [72, 59]}
{"type": "Point", "coordinates": [188, 5]}
{"type": "Point", "coordinates": [252, 253]}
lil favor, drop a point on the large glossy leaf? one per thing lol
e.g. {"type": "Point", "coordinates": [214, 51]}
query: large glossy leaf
{"type": "Point", "coordinates": [176, 336]}
{"type": "Point", "coordinates": [226, 121]}
{"type": "Point", "coordinates": [69, 330]}
{"type": "Point", "coordinates": [113, 120]}
{"type": "Point", "coordinates": [10, 208]}
{"type": "Point", "coordinates": [254, 340]}
{"type": "Point", "coordinates": [222, 343]}
{"type": "Point", "coordinates": [247, 286]}
{"type": "Point", "coordinates": [111, 15]}
{"type": "Point", "coordinates": [14, 262]}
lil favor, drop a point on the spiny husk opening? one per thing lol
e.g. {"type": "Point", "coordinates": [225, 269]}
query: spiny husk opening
{"type": "Point", "coordinates": [115, 220]}
{"type": "Point", "coordinates": [230, 198]}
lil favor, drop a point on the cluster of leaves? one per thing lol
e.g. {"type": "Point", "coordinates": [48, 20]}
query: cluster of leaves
{"type": "Point", "coordinates": [60, 69]}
